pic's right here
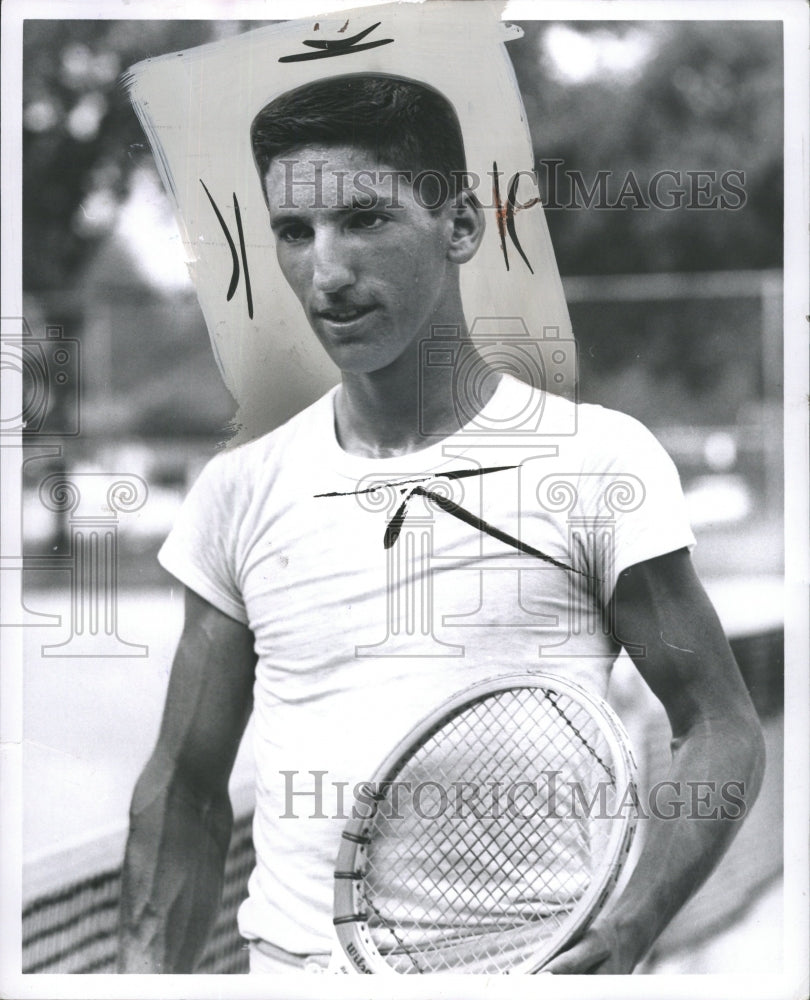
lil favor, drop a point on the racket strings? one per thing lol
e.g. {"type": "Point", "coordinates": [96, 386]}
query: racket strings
{"type": "Point", "coordinates": [393, 932]}
{"type": "Point", "coordinates": [554, 699]}
{"type": "Point", "coordinates": [465, 879]}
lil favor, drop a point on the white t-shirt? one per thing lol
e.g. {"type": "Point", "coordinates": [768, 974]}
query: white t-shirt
{"type": "Point", "coordinates": [358, 640]}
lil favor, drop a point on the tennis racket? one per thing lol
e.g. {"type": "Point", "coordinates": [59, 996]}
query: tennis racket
{"type": "Point", "coordinates": [492, 835]}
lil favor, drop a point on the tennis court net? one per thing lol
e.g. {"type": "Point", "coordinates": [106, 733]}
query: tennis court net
{"type": "Point", "coordinates": [70, 916]}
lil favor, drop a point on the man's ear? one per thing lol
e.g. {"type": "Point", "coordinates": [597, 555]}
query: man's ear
{"type": "Point", "coordinates": [468, 227]}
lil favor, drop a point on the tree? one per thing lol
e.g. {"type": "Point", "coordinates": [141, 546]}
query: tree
{"type": "Point", "coordinates": [706, 97]}
{"type": "Point", "coordinates": [81, 139]}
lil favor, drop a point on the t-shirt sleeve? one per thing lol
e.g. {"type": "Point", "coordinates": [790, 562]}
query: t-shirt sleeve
{"type": "Point", "coordinates": [201, 549]}
{"type": "Point", "coordinates": [631, 499]}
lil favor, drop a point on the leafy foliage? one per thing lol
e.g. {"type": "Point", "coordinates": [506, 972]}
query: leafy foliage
{"type": "Point", "coordinates": [708, 96]}
{"type": "Point", "coordinates": [81, 139]}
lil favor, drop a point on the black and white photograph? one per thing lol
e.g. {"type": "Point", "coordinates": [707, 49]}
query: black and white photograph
{"type": "Point", "coordinates": [404, 471]}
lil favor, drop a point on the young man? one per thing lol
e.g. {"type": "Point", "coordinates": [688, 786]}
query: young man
{"type": "Point", "coordinates": [304, 605]}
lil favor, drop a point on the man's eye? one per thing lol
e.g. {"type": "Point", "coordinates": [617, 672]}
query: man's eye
{"type": "Point", "coordinates": [293, 233]}
{"type": "Point", "coordinates": [368, 220]}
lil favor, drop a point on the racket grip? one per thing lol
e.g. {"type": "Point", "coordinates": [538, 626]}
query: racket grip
{"type": "Point", "coordinates": [339, 964]}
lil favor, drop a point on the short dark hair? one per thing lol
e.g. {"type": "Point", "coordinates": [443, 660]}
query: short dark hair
{"type": "Point", "coordinates": [401, 123]}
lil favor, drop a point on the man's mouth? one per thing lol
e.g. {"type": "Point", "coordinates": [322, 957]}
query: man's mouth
{"type": "Point", "coordinates": [344, 314]}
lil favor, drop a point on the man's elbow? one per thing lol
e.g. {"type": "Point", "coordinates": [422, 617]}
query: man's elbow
{"type": "Point", "coordinates": [729, 742]}
{"type": "Point", "coordinates": [756, 756]}
{"type": "Point", "coordinates": [743, 733]}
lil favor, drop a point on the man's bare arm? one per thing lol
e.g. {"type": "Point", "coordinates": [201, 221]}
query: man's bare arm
{"type": "Point", "coordinates": [687, 662]}
{"type": "Point", "coordinates": [181, 818]}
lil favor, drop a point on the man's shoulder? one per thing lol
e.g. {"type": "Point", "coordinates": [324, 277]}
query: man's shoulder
{"type": "Point", "coordinates": [562, 417]}
{"type": "Point", "coordinates": [607, 424]}
{"type": "Point", "coordinates": [590, 435]}
{"type": "Point", "coordinates": [250, 457]}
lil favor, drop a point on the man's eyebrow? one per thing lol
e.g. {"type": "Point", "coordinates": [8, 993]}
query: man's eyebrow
{"type": "Point", "coordinates": [365, 202]}
{"type": "Point", "coordinates": [283, 218]}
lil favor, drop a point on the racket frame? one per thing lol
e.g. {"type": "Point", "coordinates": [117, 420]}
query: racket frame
{"type": "Point", "coordinates": [350, 916]}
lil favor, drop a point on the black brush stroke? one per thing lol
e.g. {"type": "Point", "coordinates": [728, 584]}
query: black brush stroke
{"type": "Point", "coordinates": [460, 474]}
{"type": "Point", "coordinates": [510, 220]}
{"type": "Point", "coordinates": [499, 213]}
{"type": "Point", "coordinates": [394, 526]}
{"type": "Point", "coordinates": [231, 245]}
{"type": "Point", "coordinates": [502, 536]}
{"type": "Point", "coordinates": [242, 247]}
{"type": "Point", "coordinates": [328, 53]}
{"type": "Point", "coordinates": [341, 43]}
{"type": "Point", "coordinates": [336, 46]}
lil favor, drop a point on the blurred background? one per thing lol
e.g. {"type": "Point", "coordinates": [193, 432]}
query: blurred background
{"type": "Point", "coordinates": [674, 283]}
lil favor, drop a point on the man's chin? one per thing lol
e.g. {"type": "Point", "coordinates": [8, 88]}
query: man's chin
{"type": "Point", "coordinates": [352, 346]}
{"type": "Point", "coordinates": [354, 362]}
{"type": "Point", "coordinates": [359, 358]}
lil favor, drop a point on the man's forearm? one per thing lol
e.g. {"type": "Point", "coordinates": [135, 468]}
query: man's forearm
{"type": "Point", "coordinates": [680, 852]}
{"type": "Point", "coordinates": [173, 873]}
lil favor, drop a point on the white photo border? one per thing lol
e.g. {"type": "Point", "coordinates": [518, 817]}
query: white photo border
{"type": "Point", "coordinates": [792, 981]}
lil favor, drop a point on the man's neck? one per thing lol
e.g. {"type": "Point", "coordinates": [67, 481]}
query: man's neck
{"type": "Point", "coordinates": [408, 406]}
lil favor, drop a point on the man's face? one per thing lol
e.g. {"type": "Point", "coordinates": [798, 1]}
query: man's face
{"type": "Point", "coordinates": [370, 270]}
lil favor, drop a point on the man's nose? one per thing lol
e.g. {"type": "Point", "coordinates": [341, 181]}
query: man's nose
{"type": "Point", "coordinates": [332, 266]}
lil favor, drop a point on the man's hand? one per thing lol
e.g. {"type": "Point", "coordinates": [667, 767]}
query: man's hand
{"type": "Point", "coordinates": [601, 951]}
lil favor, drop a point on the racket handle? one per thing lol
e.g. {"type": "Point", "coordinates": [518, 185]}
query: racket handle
{"type": "Point", "coordinates": [339, 964]}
